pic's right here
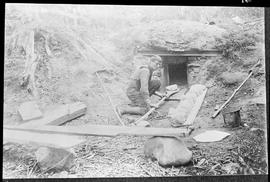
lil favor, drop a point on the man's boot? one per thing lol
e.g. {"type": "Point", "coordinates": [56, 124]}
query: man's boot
{"type": "Point", "coordinates": [131, 110]}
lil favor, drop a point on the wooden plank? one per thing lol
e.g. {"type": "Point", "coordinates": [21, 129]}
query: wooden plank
{"type": "Point", "coordinates": [29, 111]}
{"type": "Point", "coordinates": [192, 115]}
{"type": "Point", "coordinates": [102, 130]}
{"type": "Point", "coordinates": [41, 139]}
{"type": "Point", "coordinates": [166, 75]}
{"type": "Point", "coordinates": [60, 114]}
{"type": "Point", "coordinates": [183, 54]}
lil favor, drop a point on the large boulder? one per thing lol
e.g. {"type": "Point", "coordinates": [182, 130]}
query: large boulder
{"type": "Point", "coordinates": [54, 158]}
{"type": "Point", "coordinates": [168, 151]}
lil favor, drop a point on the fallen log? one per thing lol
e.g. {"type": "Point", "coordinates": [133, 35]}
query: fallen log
{"type": "Point", "coordinates": [102, 130]}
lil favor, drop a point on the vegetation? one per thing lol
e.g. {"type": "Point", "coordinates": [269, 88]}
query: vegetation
{"type": "Point", "coordinates": [235, 42]}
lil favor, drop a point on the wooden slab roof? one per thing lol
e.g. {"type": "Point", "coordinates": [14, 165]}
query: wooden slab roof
{"type": "Point", "coordinates": [189, 52]}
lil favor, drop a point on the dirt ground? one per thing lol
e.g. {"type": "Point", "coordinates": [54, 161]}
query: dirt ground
{"type": "Point", "coordinates": [74, 79]}
{"type": "Point", "coordinates": [123, 156]}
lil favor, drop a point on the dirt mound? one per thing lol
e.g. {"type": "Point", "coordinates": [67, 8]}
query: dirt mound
{"type": "Point", "coordinates": [178, 35]}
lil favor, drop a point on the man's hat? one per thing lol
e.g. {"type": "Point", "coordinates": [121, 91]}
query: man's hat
{"type": "Point", "coordinates": [156, 58]}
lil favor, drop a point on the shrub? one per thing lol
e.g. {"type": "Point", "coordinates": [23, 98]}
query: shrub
{"type": "Point", "coordinates": [235, 42]}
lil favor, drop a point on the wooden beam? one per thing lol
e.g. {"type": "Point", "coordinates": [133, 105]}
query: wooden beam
{"type": "Point", "coordinates": [29, 111]}
{"type": "Point", "coordinates": [102, 130]}
{"type": "Point", "coordinates": [192, 115]}
{"type": "Point", "coordinates": [183, 54]}
{"type": "Point", "coordinates": [41, 139]}
{"type": "Point", "coordinates": [166, 76]}
{"type": "Point", "coordinates": [195, 52]}
{"type": "Point", "coordinates": [60, 114]}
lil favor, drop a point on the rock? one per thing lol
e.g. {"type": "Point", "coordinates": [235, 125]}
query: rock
{"type": "Point", "coordinates": [168, 151]}
{"type": "Point", "coordinates": [54, 158]}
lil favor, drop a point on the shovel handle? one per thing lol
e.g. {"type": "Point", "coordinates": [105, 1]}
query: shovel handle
{"type": "Point", "coordinates": [168, 94]}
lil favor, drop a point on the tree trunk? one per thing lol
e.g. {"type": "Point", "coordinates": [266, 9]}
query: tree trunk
{"type": "Point", "coordinates": [28, 79]}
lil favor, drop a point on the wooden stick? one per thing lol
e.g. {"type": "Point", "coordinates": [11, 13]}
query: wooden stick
{"type": "Point", "coordinates": [113, 106]}
{"type": "Point", "coordinates": [102, 130]}
{"type": "Point", "coordinates": [151, 110]}
{"type": "Point", "coordinates": [250, 73]}
{"type": "Point", "coordinates": [235, 91]}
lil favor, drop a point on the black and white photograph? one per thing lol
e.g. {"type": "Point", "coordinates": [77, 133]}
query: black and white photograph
{"type": "Point", "coordinates": [105, 91]}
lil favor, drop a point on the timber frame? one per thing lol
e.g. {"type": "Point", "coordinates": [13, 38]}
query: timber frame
{"type": "Point", "coordinates": [174, 57]}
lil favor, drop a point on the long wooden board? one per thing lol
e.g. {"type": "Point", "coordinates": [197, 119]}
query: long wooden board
{"type": "Point", "coordinates": [103, 130]}
{"type": "Point", "coordinates": [41, 139]}
{"type": "Point", "coordinates": [60, 114]}
{"type": "Point", "coordinates": [191, 117]}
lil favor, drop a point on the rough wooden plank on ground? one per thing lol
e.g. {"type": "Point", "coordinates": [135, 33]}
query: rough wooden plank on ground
{"type": "Point", "coordinates": [41, 139]}
{"type": "Point", "coordinates": [60, 114]}
{"type": "Point", "coordinates": [103, 130]}
{"type": "Point", "coordinates": [29, 110]}
{"type": "Point", "coordinates": [192, 115]}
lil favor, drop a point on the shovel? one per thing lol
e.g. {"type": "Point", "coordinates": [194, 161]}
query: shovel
{"type": "Point", "coordinates": [169, 93]}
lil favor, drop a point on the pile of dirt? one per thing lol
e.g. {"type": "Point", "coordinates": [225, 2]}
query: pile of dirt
{"type": "Point", "coordinates": [181, 35]}
{"type": "Point", "coordinates": [169, 35]}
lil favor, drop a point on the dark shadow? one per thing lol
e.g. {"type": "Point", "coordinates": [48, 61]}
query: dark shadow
{"type": "Point", "coordinates": [178, 73]}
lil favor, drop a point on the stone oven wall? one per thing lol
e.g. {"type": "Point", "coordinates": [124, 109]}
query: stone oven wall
{"type": "Point", "coordinates": [197, 70]}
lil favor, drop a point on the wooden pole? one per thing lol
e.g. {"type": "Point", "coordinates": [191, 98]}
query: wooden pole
{"type": "Point", "coordinates": [235, 91]}
{"type": "Point", "coordinates": [110, 100]}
